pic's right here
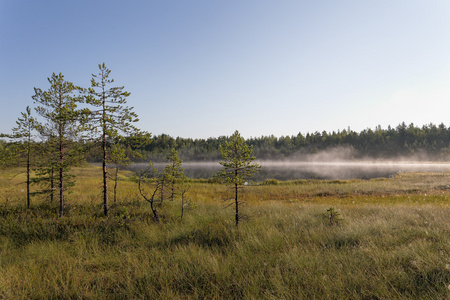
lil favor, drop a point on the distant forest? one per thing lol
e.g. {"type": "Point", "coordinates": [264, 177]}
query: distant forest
{"type": "Point", "coordinates": [429, 142]}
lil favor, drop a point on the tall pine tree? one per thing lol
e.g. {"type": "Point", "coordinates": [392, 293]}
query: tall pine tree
{"type": "Point", "coordinates": [58, 107]}
{"type": "Point", "coordinates": [110, 118]}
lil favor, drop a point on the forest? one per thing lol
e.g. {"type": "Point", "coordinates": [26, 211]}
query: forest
{"type": "Point", "coordinates": [429, 142]}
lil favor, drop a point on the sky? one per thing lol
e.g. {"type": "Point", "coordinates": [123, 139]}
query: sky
{"type": "Point", "coordinates": [199, 69]}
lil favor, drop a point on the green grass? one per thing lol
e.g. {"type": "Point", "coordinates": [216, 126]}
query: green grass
{"type": "Point", "coordinates": [393, 243]}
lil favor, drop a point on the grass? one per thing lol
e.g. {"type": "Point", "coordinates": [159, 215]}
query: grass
{"type": "Point", "coordinates": [392, 242]}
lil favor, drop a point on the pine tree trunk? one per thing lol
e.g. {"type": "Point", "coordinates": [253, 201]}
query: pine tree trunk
{"type": "Point", "coordinates": [61, 171]}
{"type": "Point", "coordinates": [172, 195]}
{"type": "Point", "coordinates": [237, 204]}
{"type": "Point", "coordinates": [52, 184]}
{"type": "Point", "coordinates": [105, 174]}
{"type": "Point", "coordinates": [162, 189]}
{"type": "Point", "coordinates": [182, 207]}
{"type": "Point", "coordinates": [105, 177]}
{"type": "Point", "coordinates": [28, 176]}
{"type": "Point", "coordinates": [61, 181]}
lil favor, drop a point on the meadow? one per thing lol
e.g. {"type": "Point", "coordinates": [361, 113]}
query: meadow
{"type": "Point", "coordinates": [389, 239]}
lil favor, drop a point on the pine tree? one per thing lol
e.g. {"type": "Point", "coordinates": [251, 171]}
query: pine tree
{"type": "Point", "coordinates": [58, 107]}
{"type": "Point", "coordinates": [119, 158]}
{"type": "Point", "coordinates": [173, 174]}
{"type": "Point", "coordinates": [110, 115]}
{"type": "Point", "coordinates": [122, 150]}
{"type": "Point", "coordinates": [24, 134]}
{"type": "Point", "coordinates": [237, 165]}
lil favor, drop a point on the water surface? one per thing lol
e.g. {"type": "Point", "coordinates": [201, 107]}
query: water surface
{"type": "Point", "coordinates": [288, 170]}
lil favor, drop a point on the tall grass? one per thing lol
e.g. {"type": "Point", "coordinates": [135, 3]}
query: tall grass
{"type": "Point", "coordinates": [393, 243]}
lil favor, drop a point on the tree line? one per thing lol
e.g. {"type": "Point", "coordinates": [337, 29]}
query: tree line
{"type": "Point", "coordinates": [428, 142]}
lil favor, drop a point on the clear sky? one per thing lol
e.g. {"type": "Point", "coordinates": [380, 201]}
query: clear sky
{"type": "Point", "coordinates": [206, 68]}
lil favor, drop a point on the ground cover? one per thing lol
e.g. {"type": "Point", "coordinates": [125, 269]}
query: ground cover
{"type": "Point", "coordinates": [392, 241]}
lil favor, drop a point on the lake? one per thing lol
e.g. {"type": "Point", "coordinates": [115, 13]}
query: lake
{"type": "Point", "coordinates": [288, 170]}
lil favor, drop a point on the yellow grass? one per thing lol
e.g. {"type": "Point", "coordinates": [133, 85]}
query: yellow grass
{"type": "Point", "coordinates": [392, 242]}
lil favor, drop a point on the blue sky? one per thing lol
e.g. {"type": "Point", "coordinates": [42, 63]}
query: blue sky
{"type": "Point", "coordinates": [206, 68]}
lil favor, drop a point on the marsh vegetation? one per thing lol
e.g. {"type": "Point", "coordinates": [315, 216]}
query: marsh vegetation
{"type": "Point", "coordinates": [392, 241]}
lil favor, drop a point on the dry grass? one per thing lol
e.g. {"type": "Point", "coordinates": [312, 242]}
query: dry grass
{"type": "Point", "coordinates": [393, 242]}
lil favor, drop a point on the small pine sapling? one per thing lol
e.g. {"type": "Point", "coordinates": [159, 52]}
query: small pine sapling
{"type": "Point", "coordinates": [238, 166]}
{"type": "Point", "coordinates": [332, 216]}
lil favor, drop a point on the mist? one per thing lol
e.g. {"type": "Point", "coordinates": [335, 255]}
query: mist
{"type": "Point", "coordinates": [347, 163]}
{"type": "Point", "coordinates": [335, 163]}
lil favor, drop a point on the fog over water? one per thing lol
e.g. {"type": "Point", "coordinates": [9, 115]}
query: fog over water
{"type": "Point", "coordinates": [289, 170]}
{"type": "Point", "coordinates": [335, 163]}
{"type": "Point", "coordinates": [346, 170]}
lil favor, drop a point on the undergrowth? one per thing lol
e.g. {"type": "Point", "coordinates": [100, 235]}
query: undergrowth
{"type": "Point", "coordinates": [392, 243]}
